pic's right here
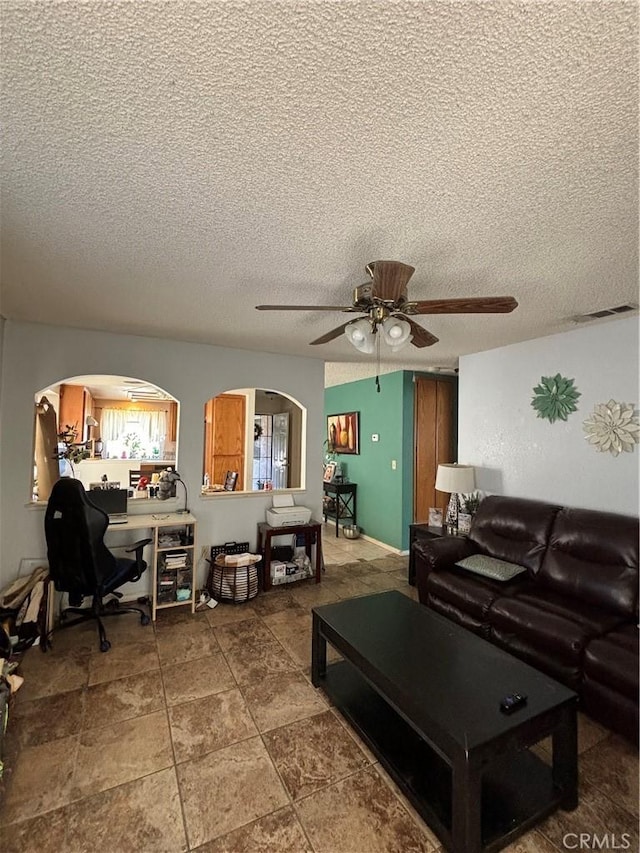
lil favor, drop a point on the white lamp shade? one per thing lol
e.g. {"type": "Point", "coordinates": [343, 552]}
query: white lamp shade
{"type": "Point", "coordinates": [455, 478]}
{"type": "Point", "coordinates": [396, 332]}
{"type": "Point", "coordinates": [360, 335]}
{"type": "Point", "coordinates": [91, 421]}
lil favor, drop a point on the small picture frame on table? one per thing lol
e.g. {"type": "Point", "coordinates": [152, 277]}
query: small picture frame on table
{"type": "Point", "coordinates": [329, 472]}
{"type": "Point", "coordinates": [435, 517]}
{"type": "Point", "coordinates": [230, 481]}
{"type": "Point", "coordinates": [464, 522]}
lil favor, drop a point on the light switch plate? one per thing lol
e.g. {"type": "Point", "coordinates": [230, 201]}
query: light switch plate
{"type": "Point", "coordinates": [375, 437]}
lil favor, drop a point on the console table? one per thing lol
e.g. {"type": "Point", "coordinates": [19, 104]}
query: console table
{"type": "Point", "coordinates": [344, 495]}
{"type": "Point", "coordinates": [312, 533]}
{"type": "Point", "coordinates": [423, 531]}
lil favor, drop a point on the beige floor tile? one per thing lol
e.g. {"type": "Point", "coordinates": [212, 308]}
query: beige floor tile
{"type": "Point", "coordinates": [78, 638]}
{"type": "Point", "coordinates": [196, 642]}
{"type": "Point", "coordinates": [143, 815]}
{"type": "Point", "coordinates": [597, 815]}
{"type": "Point", "coordinates": [224, 790]}
{"type": "Point", "coordinates": [357, 814]}
{"type": "Point", "coordinates": [223, 614]}
{"type": "Point", "coordinates": [49, 718]}
{"type": "Point", "coordinates": [314, 596]}
{"type": "Point", "coordinates": [41, 780]}
{"type": "Point", "coordinates": [350, 588]}
{"type": "Point", "coordinates": [532, 842]}
{"type": "Point", "coordinates": [276, 700]}
{"type": "Point", "coordinates": [126, 628]}
{"type": "Point", "coordinates": [196, 678]}
{"type": "Point", "coordinates": [276, 600]}
{"type": "Point", "coordinates": [612, 767]}
{"type": "Point", "coordinates": [279, 832]}
{"type": "Point", "coordinates": [45, 833]}
{"type": "Point", "coordinates": [121, 752]}
{"type": "Point", "coordinates": [382, 581]}
{"type": "Point", "coordinates": [210, 723]}
{"type": "Point", "coordinates": [286, 622]}
{"type": "Point", "coordinates": [240, 635]}
{"type": "Point", "coordinates": [51, 673]}
{"type": "Point", "coordinates": [253, 663]}
{"type": "Point", "coordinates": [121, 661]}
{"type": "Point", "coordinates": [313, 753]}
{"type": "Point", "coordinates": [167, 618]}
{"type": "Point", "coordinates": [113, 701]}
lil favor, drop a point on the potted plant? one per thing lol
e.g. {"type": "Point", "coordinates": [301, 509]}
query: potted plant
{"type": "Point", "coordinates": [471, 503]}
{"type": "Point", "coordinates": [70, 448]}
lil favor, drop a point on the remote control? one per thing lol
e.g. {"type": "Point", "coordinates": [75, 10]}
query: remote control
{"type": "Point", "coordinates": [512, 702]}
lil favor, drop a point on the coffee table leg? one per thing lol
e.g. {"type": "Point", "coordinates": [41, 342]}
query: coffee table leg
{"type": "Point", "coordinates": [318, 654]}
{"type": "Point", "coordinates": [466, 829]}
{"type": "Point", "coordinates": [565, 758]}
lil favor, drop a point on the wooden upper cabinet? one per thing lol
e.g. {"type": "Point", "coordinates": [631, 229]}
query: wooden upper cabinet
{"type": "Point", "coordinates": [72, 406]}
{"type": "Point", "coordinates": [225, 421]}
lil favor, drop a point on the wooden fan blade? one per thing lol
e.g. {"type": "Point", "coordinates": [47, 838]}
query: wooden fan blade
{"type": "Point", "coordinates": [421, 337]}
{"type": "Point", "coordinates": [479, 305]}
{"type": "Point", "coordinates": [334, 333]}
{"type": "Point", "coordinates": [306, 308]}
{"type": "Point", "coordinates": [390, 279]}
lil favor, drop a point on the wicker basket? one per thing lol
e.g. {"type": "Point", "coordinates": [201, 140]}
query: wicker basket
{"type": "Point", "coordinates": [232, 583]}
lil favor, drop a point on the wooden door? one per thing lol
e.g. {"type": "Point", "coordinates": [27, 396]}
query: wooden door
{"type": "Point", "coordinates": [434, 442]}
{"type": "Point", "coordinates": [224, 443]}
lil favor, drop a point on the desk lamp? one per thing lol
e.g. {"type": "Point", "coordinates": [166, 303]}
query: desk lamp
{"type": "Point", "coordinates": [456, 479]}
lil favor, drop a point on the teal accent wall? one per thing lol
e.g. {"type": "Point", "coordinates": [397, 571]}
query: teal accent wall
{"type": "Point", "coordinates": [385, 496]}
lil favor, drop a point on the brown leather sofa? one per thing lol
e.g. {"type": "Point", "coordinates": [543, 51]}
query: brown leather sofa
{"type": "Point", "coordinates": [573, 614]}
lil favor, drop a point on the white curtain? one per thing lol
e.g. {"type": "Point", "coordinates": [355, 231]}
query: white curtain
{"type": "Point", "coordinates": [114, 423]}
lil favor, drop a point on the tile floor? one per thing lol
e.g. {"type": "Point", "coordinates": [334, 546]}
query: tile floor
{"type": "Point", "coordinates": [204, 733]}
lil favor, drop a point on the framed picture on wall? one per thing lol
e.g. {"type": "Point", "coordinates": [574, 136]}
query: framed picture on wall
{"type": "Point", "coordinates": [343, 433]}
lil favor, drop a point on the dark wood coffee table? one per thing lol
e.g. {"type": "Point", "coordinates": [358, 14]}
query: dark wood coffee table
{"type": "Point", "coordinates": [424, 694]}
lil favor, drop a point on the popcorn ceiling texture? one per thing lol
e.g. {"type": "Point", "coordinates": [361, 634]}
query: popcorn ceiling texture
{"type": "Point", "coordinates": [168, 166]}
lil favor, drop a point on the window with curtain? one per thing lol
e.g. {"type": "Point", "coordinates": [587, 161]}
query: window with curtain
{"type": "Point", "coordinates": [133, 433]}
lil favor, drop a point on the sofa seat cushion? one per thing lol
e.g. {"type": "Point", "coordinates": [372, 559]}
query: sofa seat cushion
{"type": "Point", "coordinates": [613, 660]}
{"type": "Point", "coordinates": [550, 628]}
{"type": "Point", "coordinates": [471, 593]}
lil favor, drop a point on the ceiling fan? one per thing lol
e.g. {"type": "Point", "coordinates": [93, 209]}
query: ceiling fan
{"type": "Point", "coordinates": [386, 307]}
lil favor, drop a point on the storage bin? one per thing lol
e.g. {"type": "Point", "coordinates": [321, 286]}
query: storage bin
{"type": "Point", "coordinates": [232, 583]}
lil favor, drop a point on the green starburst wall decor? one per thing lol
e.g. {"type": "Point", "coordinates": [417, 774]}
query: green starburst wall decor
{"type": "Point", "coordinates": [555, 398]}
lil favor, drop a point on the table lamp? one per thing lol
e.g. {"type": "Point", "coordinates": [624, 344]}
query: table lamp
{"type": "Point", "coordinates": [456, 479]}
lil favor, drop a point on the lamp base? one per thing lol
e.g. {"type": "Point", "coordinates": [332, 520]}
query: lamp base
{"type": "Point", "coordinates": [453, 509]}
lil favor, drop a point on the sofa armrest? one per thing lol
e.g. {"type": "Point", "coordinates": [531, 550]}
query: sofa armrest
{"type": "Point", "coordinates": [432, 555]}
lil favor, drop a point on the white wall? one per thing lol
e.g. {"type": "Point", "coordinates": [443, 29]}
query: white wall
{"type": "Point", "coordinates": [519, 454]}
{"type": "Point", "coordinates": [36, 356]}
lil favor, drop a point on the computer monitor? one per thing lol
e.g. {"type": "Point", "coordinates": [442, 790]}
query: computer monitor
{"type": "Point", "coordinates": [111, 501]}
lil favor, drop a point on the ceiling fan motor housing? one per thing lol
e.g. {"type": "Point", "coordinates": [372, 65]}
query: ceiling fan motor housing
{"type": "Point", "coordinates": [364, 295]}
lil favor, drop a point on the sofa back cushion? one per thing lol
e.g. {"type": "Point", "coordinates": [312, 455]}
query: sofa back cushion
{"type": "Point", "coordinates": [513, 529]}
{"type": "Point", "coordinates": [593, 556]}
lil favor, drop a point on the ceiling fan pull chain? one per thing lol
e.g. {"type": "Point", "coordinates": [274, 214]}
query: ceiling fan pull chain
{"type": "Point", "coordinates": [378, 363]}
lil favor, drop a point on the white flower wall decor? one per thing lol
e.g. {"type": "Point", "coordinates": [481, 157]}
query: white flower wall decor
{"type": "Point", "coordinates": [613, 427]}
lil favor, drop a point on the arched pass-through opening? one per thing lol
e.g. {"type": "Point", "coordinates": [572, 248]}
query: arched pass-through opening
{"type": "Point", "coordinates": [102, 428]}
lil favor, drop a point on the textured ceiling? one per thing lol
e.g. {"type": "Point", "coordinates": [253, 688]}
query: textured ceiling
{"type": "Point", "coordinates": [168, 166]}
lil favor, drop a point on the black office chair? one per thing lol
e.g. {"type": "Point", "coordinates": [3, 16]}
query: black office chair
{"type": "Point", "coordinates": [80, 564]}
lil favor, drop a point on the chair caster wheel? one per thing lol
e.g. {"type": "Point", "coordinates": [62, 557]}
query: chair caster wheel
{"type": "Point", "coordinates": [144, 620]}
{"type": "Point", "coordinates": [105, 645]}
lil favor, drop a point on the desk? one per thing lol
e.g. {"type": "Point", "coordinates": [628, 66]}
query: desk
{"type": "Point", "coordinates": [265, 534]}
{"type": "Point", "coordinates": [168, 575]}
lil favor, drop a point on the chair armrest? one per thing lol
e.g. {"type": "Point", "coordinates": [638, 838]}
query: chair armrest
{"type": "Point", "coordinates": [138, 545]}
{"type": "Point", "coordinates": [432, 555]}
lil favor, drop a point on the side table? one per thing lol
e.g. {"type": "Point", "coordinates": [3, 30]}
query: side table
{"type": "Point", "coordinates": [312, 530]}
{"type": "Point", "coordinates": [344, 495]}
{"type": "Point", "coordinates": [423, 531]}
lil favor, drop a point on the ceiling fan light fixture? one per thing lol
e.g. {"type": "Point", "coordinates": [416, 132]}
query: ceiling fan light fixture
{"type": "Point", "coordinates": [396, 333]}
{"type": "Point", "coordinates": [359, 334]}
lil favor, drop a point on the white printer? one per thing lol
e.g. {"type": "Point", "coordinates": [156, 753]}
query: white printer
{"type": "Point", "coordinates": [284, 513]}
